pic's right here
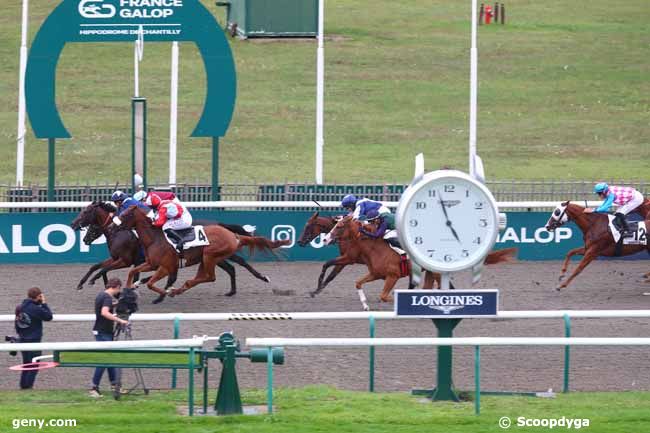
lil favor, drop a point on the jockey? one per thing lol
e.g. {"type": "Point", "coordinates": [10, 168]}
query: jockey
{"type": "Point", "coordinates": [386, 228]}
{"type": "Point", "coordinates": [362, 206]}
{"type": "Point", "coordinates": [172, 216]}
{"type": "Point", "coordinates": [626, 197]}
{"type": "Point", "coordinates": [123, 202]}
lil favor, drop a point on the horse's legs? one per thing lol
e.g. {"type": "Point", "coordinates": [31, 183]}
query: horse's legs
{"type": "Point", "coordinates": [389, 283]}
{"type": "Point", "coordinates": [340, 262]}
{"type": "Point", "coordinates": [160, 273]}
{"type": "Point", "coordinates": [144, 267]}
{"type": "Point", "coordinates": [362, 296]}
{"type": "Point", "coordinates": [589, 256]}
{"type": "Point", "coordinates": [431, 278]}
{"type": "Point", "coordinates": [117, 264]}
{"type": "Point", "coordinates": [204, 274]}
{"type": "Point", "coordinates": [241, 262]}
{"type": "Point", "coordinates": [230, 270]}
{"type": "Point", "coordinates": [337, 270]}
{"type": "Point", "coordinates": [92, 269]}
{"type": "Point", "coordinates": [576, 251]}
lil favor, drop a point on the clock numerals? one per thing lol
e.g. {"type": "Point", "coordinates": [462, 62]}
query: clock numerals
{"type": "Point", "coordinates": [450, 188]}
{"type": "Point", "coordinates": [464, 253]}
{"type": "Point", "coordinates": [421, 205]}
{"type": "Point", "coordinates": [430, 252]}
{"type": "Point", "coordinates": [418, 240]}
{"type": "Point", "coordinates": [432, 193]}
{"type": "Point", "coordinates": [448, 258]}
{"type": "Point", "coordinates": [477, 241]}
{"type": "Point", "coordinates": [413, 222]}
{"type": "Point", "coordinates": [482, 222]}
{"type": "Point", "coordinates": [478, 205]}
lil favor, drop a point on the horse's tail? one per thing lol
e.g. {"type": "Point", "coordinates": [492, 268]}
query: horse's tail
{"type": "Point", "coordinates": [245, 230]}
{"type": "Point", "coordinates": [501, 256]}
{"type": "Point", "coordinates": [259, 243]}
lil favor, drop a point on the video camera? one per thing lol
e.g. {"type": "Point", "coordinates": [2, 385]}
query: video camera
{"type": "Point", "coordinates": [127, 303]}
{"type": "Point", "coordinates": [13, 340]}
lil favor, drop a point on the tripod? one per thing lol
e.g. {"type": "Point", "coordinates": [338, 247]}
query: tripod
{"type": "Point", "coordinates": [125, 332]}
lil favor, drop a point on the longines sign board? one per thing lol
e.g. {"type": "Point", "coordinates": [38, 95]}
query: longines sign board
{"type": "Point", "coordinates": [446, 304]}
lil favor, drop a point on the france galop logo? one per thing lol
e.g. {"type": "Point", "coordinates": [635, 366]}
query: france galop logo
{"type": "Point", "coordinates": [96, 9]}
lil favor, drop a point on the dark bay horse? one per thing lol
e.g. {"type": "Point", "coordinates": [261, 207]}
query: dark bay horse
{"type": "Point", "coordinates": [162, 258]}
{"type": "Point", "coordinates": [124, 246]}
{"type": "Point", "coordinates": [384, 263]}
{"type": "Point", "coordinates": [595, 233]}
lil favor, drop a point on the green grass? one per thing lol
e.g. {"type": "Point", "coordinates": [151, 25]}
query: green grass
{"type": "Point", "coordinates": [127, 357]}
{"type": "Point", "coordinates": [323, 409]}
{"type": "Point", "coordinates": [564, 94]}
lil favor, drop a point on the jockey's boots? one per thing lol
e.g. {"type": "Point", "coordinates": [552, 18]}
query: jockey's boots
{"type": "Point", "coordinates": [621, 222]}
{"type": "Point", "coordinates": [176, 238]}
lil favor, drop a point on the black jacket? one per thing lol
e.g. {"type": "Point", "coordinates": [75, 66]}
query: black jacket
{"type": "Point", "coordinates": [29, 321]}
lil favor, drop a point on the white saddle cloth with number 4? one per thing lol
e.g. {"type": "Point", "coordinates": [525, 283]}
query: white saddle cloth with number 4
{"type": "Point", "coordinates": [193, 237]}
{"type": "Point", "coordinates": [639, 233]}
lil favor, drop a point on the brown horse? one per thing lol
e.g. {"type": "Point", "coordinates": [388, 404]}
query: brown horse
{"type": "Point", "coordinates": [163, 259]}
{"type": "Point", "coordinates": [596, 235]}
{"type": "Point", "coordinates": [314, 227]}
{"type": "Point", "coordinates": [384, 263]}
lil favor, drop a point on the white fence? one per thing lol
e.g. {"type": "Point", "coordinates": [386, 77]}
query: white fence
{"type": "Point", "coordinates": [268, 204]}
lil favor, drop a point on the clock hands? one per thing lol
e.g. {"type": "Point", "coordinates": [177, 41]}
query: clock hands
{"type": "Point", "coordinates": [448, 223]}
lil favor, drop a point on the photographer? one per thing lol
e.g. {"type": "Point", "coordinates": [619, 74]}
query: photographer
{"type": "Point", "coordinates": [103, 329]}
{"type": "Point", "coordinates": [30, 316]}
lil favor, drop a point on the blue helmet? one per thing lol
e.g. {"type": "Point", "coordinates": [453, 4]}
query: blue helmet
{"type": "Point", "coordinates": [118, 196]}
{"type": "Point", "coordinates": [601, 187]}
{"type": "Point", "coordinates": [349, 200]}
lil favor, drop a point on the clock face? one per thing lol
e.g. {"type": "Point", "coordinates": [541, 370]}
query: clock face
{"type": "Point", "coordinates": [447, 221]}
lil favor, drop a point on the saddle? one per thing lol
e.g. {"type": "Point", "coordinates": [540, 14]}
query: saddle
{"type": "Point", "coordinates": [186, 235]}
{"type": "Point", "coordinates": [191, 237]}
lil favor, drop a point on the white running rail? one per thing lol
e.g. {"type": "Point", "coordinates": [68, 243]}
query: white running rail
{"type": "Point", "coordinates": [105, 345]}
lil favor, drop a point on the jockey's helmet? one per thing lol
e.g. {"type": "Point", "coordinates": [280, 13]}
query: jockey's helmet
{"type": "Point", "coordinates": [153, 200]}
{"type": "Point", "coordinates": [118, 196]}
{"type": "Point", "coordinates": [601, 187]}
{"type": "Point", "coordinates": [140, 195]}
{"type": "Point", "coordinates": [349, 200]}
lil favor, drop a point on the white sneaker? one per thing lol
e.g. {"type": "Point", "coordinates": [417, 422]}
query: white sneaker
{"type": "Point", "coordinates": [94, 393]}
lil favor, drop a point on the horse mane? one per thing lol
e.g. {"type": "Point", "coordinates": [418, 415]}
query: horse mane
{"type": "Point", "coordinates": [107, 206]}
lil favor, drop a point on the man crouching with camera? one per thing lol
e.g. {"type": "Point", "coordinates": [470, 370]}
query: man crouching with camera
{"type": "Point", "coordinates": [30, 315]}
{"type": "Point", "coordinates": [103, 329]}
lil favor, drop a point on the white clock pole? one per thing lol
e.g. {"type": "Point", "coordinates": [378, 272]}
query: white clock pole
{"type": "Point", "coordinates": [445, 279]}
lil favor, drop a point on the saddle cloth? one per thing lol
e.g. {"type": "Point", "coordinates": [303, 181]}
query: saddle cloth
{"type": "Point", "coordinates": [193, 237]}
{"type": "Point", "coordinates": [392, 234]}
{"type": "Point", "coordinates": [639, 235]}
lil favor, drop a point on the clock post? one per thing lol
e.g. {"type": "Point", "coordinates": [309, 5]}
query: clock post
{"type": "Point", "coordinates": [448, 222]}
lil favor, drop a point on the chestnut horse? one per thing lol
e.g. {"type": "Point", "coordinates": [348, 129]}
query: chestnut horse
{"type": "Point", "coordinates": [383, 262]}
{"type": "Point", "coordinates": [163, 259]}
{"type": "Point", "coordinates": [596, 235]}
{"type": "Point", "coordinates": [124, 246]}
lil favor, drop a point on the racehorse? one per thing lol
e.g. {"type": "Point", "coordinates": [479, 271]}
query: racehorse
{"type": "Point", "coordinates": [125, 250]}
{"type": "Point", "coordinates": [314, 227]}
{"type": "Point", "coordinates": [596, 235]}
{"type": "Point", "coordinates": [162, 258]}
{"type": "Point", "coordinates": [385, 263]}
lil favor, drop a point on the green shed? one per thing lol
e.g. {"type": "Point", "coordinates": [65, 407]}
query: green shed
{"type": "Point", "coordinates": [271, 18]}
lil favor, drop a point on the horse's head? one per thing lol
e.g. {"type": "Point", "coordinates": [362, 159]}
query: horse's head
{"type": "Point", "coordinates": [94, 232]}
{"type": "Point", "coordinates": [344, 229]}
{"type": "Point", "coordinates": [314, 227]}
{"type": "Point", "coordinates": [96, 212]}
{"type": "Point", "coordinates": [559, 217]}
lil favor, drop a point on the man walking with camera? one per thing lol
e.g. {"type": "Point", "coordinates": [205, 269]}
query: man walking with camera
{"type": "Point", "coordinates": [103, 330]}
{"type": "Point", "coordinates": [30, 316]}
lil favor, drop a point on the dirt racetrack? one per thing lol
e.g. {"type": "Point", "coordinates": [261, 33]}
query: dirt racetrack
{"type": "Point", "coordinates": [523, 286]}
